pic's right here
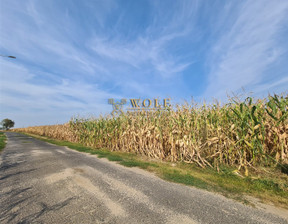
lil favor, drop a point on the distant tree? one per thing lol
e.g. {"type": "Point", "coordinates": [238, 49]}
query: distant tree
{"type": "Point", "coordinates": [7, 124]}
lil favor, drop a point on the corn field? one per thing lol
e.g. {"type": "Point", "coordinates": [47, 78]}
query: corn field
{"type": "Point", "coordinates": [245, 133]}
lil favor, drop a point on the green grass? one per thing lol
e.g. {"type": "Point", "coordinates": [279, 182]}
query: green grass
{"type": "Point", "coordinates": [269, 185]}
{"type": "Point", "coordinates": [187, 179]}
{"type": "Point", "coordinates": [137, 163]}
{"type": "Point", "coordinates": [2, 141]}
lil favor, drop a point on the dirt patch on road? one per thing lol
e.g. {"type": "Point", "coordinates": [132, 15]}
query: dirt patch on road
{"type": "Point", "coordinates": [74, 175]}
{"type": "Point", "coordinates": [40, 152]}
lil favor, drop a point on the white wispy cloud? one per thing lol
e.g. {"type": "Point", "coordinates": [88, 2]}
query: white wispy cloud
{"type": "Point", "coordinates": [73, 56]}
{"type": "Point", "coordinates": [19, 90]}
{"type": "Point", "coordinates": [151, 46]}
{"type": "Point", "coordinates": [247, 47]}
{"type": "Point", "coordinates": [140, 52]}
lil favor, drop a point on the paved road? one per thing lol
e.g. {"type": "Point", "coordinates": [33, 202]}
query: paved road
{"type": "Point", "coordinates": [44, 183]}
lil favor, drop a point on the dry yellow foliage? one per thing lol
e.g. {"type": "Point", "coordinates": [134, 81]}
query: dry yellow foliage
{"type": "Point", "coordinates": [242, 133]}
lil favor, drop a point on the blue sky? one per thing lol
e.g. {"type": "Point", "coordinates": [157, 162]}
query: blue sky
{"type": "Point", "coordinates": [74, 55]}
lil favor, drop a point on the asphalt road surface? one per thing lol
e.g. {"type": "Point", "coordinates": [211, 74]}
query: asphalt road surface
{"type": "Point", "coordinates": [44, 183]}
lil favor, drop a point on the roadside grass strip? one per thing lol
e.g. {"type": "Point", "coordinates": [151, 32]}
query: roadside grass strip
{"type": "Point", "coordinates": [2, 140]}
{"type": "Point", "coordinates": [268, 184]}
